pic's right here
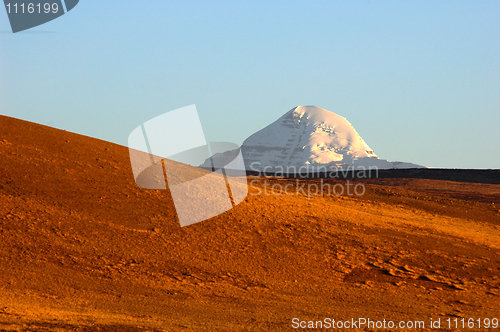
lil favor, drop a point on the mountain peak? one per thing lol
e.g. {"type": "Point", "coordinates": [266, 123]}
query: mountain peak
{"type": "Point", "coordinates": [310, 136]}
{"type": "Point", "coordinates": [306, 135]}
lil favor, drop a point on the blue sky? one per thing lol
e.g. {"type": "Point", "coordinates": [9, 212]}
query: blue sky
{"type": "Point", "coordinates": [420, 81]}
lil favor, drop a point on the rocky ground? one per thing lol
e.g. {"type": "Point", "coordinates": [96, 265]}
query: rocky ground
{"type": "Point", "coordinates": [84, 249]}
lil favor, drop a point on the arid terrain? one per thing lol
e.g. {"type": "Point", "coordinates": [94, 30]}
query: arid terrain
{"type": "Point", "coordinates": [83, 248]}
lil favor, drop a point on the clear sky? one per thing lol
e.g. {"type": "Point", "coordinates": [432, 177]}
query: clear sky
{"type": "Point", "coordinates": [419, 80]}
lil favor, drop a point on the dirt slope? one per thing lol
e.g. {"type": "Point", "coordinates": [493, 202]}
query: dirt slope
{"type": "Point", "coordinates": [84, 249]}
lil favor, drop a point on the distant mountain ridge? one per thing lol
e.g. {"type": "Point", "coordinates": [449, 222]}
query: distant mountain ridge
{"type": "Point", "coordinates": [309, 137]}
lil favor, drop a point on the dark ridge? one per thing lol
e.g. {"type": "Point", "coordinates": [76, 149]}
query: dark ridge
{"type": "Point", "coordinates": [489, 176]}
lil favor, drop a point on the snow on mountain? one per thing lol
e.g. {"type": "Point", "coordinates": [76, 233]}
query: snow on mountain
{"type": "Point", "coordinates": [312, 137]}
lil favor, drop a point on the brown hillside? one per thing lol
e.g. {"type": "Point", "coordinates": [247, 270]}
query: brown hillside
{"type": "Point", "coordinates": [84, 249]}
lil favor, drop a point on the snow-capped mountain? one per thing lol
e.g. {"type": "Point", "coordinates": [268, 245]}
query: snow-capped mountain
{"type": "Point", "coordinates": [309, 136]}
